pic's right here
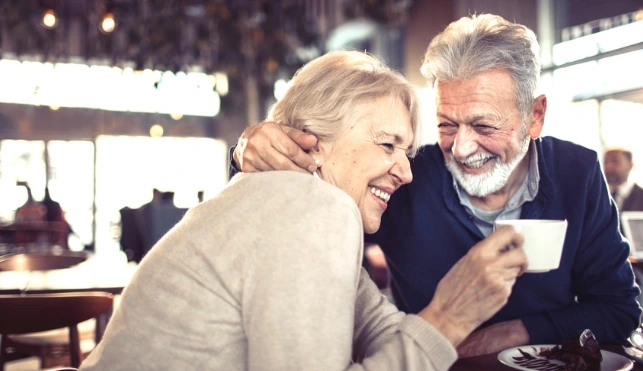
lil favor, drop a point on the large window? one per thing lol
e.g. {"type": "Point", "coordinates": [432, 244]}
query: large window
{"type": "Point", "coordinates": [66, 168]}
{"type": "Point", "coordinates": [21, 161]}
{"type": "Point", "coordinates": [130, 168]}
{"type": "Point", "coordinates": [71, 183]}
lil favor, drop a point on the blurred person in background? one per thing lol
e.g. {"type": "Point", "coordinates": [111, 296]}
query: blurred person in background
{"type": "Point", "coordinates": [617, 164]}
{"type": "Point", "coordinates": [491, 164]}
{"type": "Point", "coordinates": [628, 196]}
{"type": "Point", "coordinates": [141, 228]}
{"type": "Point", "coordinates": [31, 210]}
{"type": "Point", "coordinates": [55, 216]}
{"type": "Point", "coordinates": [233, 286]}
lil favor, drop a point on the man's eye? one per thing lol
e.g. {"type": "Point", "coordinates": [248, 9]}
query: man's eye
{"type": "Point", "coordinates": [484, 128]}
{"type": "Point", "coordinates": [447, 127]}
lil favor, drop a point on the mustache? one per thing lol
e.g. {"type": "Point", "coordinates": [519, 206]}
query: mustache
{"type": "Point", "coordinates": [475, 158]}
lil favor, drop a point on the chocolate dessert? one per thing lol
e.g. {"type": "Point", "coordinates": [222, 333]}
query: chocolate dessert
{"type": "Point", "coordinates": [580, 352]}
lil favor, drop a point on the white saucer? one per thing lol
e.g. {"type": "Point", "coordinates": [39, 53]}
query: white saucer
{"type": "Point", "coordinates": [512, 358]}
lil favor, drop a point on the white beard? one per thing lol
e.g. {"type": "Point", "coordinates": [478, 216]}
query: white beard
{"type": "Point", "coordinates": [481, 185]}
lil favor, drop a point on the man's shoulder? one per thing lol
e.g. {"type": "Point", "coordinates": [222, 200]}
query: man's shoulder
{"type": "Point", "coordinates": [428, 155]}
{"type": "Point", "coordinates": [565, 147]}
{"type": "Point", "coordinates": [430, 150]}
{"type": "Point", "coordinates": [563, 154]}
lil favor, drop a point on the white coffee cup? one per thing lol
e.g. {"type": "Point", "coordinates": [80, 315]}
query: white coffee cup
{"type": "Point", "coordinates": [544, 240]}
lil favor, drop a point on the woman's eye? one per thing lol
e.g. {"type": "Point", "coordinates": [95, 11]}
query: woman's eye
{"type": "Point", "coordinates": [388, 146]}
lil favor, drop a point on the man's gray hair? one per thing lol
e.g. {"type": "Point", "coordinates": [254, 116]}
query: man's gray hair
{"type": "Point", "coordinates": [476, 44]}
{"type": "Point", "coordinates": [336, 89]}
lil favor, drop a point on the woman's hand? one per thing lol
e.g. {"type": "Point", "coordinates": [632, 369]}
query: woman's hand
{"type": "Point", "coordinates": [478, 285]}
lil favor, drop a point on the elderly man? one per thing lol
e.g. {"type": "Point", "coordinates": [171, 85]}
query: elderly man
{"type": "Point", "coordinates": [490, 164]}
{"type": "Point", "coordinates": [617, 164]}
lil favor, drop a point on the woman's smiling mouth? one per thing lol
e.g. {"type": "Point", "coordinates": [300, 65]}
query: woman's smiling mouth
{"type": "Point", "coordinates": [382, 195]}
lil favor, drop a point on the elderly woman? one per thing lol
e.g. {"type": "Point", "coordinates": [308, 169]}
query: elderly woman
{"type": "Point", "coordinates": [267, 275]}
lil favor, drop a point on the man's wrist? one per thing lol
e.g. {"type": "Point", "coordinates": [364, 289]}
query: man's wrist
{"type": "Point", "coordinates": [518, 332]}
{"type": "Point", "coordinates": [232, 166]}
{"type": "Point", "coordinates": [235, 158]}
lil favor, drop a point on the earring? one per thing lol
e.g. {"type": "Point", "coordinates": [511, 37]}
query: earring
{"type": "Point", "coordinates": [318, 164]}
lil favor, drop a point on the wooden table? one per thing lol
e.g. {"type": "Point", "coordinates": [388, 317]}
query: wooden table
{"type": "Point", "coordinates": [109, 273]}
{"type": "Point", "coordinates": [490, 362]}
{"type": "Point", "coordinates": [114, 290]}
{"type": "Point", "coordinates": [37, 232]}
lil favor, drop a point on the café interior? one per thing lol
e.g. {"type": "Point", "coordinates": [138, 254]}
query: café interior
{"type": "Point", "coordinates": [117, 116]}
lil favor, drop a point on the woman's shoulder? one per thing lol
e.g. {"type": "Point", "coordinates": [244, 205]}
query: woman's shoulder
{"type": "Point", "coordinates": [291, 186]}
{"type": "Point", "coordinates": [276, 196]}
{"type": "Point", "coordinates": [285, 201]}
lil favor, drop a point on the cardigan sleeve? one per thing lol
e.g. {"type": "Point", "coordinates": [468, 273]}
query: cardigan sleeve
{"type": "Point", "coordinates": [307, 303]}
{"type": "Point", "coordinates": [387, 339]}
{"type": "Point", "coordinates": [376, 319]}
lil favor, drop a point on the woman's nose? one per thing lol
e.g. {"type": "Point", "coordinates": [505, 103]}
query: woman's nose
{"type": "Point", "coordinates": [401, 170]}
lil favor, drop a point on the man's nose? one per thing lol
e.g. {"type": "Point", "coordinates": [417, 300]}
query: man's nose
{"type": "Point", "coordinates": [465, 143]}
{"type": "Point", "coordinates": [401, 170]}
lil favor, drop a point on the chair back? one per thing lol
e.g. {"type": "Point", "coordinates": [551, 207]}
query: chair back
{"type": "Point", "coordinates": [41, 261]}
{"type": "Point", "coordinates": [22, 314]}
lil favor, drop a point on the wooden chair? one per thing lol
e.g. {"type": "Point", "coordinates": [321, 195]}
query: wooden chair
{"type": "Point", "coordinates": [23, 314]}
{"type": "Point", "coordinates": [43, 345]}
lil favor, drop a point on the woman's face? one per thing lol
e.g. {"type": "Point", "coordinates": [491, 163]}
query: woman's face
{"type": "Point", "coordinates": [369, 160]}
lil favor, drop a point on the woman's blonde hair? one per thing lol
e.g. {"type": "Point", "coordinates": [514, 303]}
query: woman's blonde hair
{"type": "Point", "coordinates": [331, 91]}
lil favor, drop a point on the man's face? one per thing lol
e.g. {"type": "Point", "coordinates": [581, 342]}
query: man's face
{"type": "Point", "coordinates": [481, 131]}
{"type": "Point", "coordinates": [616, 167]}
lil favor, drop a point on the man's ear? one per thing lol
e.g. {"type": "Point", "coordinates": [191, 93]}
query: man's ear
{"type": "Point", "coordinates": [538, 111]}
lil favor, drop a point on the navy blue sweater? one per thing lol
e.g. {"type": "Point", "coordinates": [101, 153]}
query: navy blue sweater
{"type": "Point", "coordinates": [426, 230]}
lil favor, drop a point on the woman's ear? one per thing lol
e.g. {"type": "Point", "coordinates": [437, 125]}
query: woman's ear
{"type": "Point", "coordinates": [317, 154]}
{"type": "Point", "coordinates": [321, 151]}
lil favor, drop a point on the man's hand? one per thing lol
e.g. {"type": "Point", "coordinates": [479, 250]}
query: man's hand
{"type": "Point", "coordinates": [269, 146]}
{"type": "Point", "coordinates": [477, 286]}
{"type": "Point", "coordinates": [494, 338]}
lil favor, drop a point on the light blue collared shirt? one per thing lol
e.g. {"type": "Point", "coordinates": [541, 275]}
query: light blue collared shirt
{"type": "Point", "coordinates": [525, 193]}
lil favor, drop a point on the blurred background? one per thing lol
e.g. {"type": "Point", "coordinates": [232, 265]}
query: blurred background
{"type": "Point", "coordinates": [108, 106]}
